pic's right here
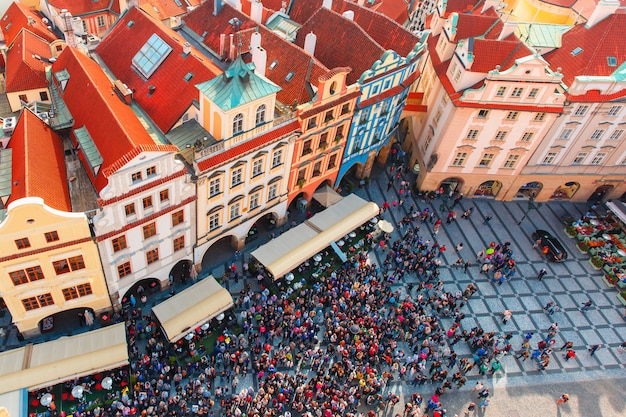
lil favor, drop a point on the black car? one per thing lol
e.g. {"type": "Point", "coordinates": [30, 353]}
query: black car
{"type": "Point", "coordinates": [549, 245]}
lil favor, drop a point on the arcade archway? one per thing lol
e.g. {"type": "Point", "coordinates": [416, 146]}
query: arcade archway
{"type": "Point", "coordinates": [140, 288]}
{"type": "Point", "coordinates": [529, 190]}
{"type": "Point", "coordinates": [599, 193]}
{"type": "Point", "coordinates": [450, 185]}
{"type": "Point", "coordinates": [67, 321]}
{"type": "Point", "coordinates": [220, 253]}
{"type": "Point", "coordinates": [488, 189]}
{"type": "Point", "coordinates": [565, 191]}
{"type": "Point", "coordinates": [181, 272]}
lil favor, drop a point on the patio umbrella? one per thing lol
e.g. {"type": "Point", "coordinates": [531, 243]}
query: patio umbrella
{"type": "Point", "coordinates": [326, 196]}
{"type": "Point", "coordinates": [490, 251]}
{"type": "Point", "coordinates": [355, 329]}
{"type": "Point", "coordinates": [385, 226]}
{"type": "Point", "coordinates": [46, 400]}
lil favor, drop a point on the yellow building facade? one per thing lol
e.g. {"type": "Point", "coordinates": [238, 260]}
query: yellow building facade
{"type": "Point", "coordinates": [49, 264]}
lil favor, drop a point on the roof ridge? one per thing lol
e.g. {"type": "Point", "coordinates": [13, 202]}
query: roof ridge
{"type": "Point", "coordinates": [355, 24]}
{"type": "Point", "coordinates": [596, 50]}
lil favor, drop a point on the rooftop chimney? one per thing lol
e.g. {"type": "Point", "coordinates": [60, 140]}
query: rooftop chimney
{"type": "Point", "coordinates": [186, 48]}
{"type": "Point", "coordinates": [232, 52]}
{"type": "Point", "coordinates": [223, 45]}
{"type": "Point", "coordinates": [255, 39]}
{"type": "Point", "coordinates": [328, 4]}
{"type": "Point", "coordinates": [603, 9]}
{"type": "Point", "coordinates": [259, 59]}
{"type": "Point", "coordinates": [256, 11]}
{"type": "Point", "coordinates": [309, 43]}
{"type": "Point", "coordinates": [348, 14]}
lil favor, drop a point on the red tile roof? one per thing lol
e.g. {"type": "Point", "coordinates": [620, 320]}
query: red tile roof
{"type": "Point", "coordinates": [561, 3]}
{"type": "Point", "coordinates": [604, 39]}
{"type": "Point", "coordinates": [396, 10]}
{"type": "Point", "coordinates": [18, 17]}
{"type": "Point", "coordinates": [489, 52]}
{"type": "Point", "coordinates": [469, 25]}
{"type": "Point", "coordinates": [173, 94]}
{"type": "Point", "coordinates": [25, 71]}
{"type": "Point", "coordinates": [247, 147]}
{"type": "Point", "coordinates": [341, 43]}
{"type": "Point", "coordinates": [462, 6]}
{"type": "Point", "coordinates": [38, 163]}
{"type": "Point", "coordinates": [82, 7]}
{"type": "Point", "coordinates": [164, 9]}
{"type": "Point", "coordinates": [113, 126]}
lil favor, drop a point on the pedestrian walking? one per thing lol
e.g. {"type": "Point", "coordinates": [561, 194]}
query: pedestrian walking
{"type": "Point", "coordinates": [487, 219]}
{"type": "Point", "coordinates": [478, 387]}
{"type": "Point", "coordinates": [506, 316]}
{"type": "Point", "coordinates": [567, 345]}
{"type": "Point", "coordinates": [569, 354]}
{"type": "Point", "coordinates": [467, 265]}
{"type": "Point", "coordinates": [485, 403]}
{"type": "Point", "coordinates": [622, 348]}
{"type": "Point", "coordinates": [594, 348]}
{"type": "Point", "coordinates": [542, 273]}
{"type": "Point", "coordinates": [459, 247]}
{"type": "Point", "coordinates": [562, 399]}
{"type": "Point", "coordinates": [586, 306]}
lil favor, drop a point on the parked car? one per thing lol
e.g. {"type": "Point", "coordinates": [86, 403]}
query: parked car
{"type": "Point", "coordinates": [549, 245]}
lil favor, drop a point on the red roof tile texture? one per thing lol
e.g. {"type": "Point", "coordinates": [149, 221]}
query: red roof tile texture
{"type": "Point", "coordinates": [488, 53]}
{"type": "Point", "coordinates": [38, 163]}
{"type": "Point", "coordinates": [603, 40]}
{"type": "Point", "coordinates": [114, 128]}
{"type": "Point", "coordinates": [18, 17]}
{"type": "Point", "coordinates": [477, 25]}
{"type": "Point", "coordinates": [24, 70]}
{"type": "Point", "coordinates": [247, 146]}
{"type": "Point", "coordinates": [462, 6]}
{"type": "Point", "coordinates": [82, 7]}
{"type": "Point", "coordinates": [173, 95]}
{"type": "Point", "coordinates": [163, 9]}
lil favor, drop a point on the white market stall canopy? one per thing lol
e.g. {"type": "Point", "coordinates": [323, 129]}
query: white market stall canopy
{"type": "Point", "coordinates": [192, 307]}
{"type": "Point", "coordinates": [295, 246]}
{"type": "Point", "coordinates": [326, 196]}
{"type": "Point", "coordinates": [618, 208]}
{"type": "Point", "coordinates": [50, 363]}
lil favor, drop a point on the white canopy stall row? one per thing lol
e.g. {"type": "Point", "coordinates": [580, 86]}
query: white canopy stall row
{"type": "Point", "coordinates": [286, 252]}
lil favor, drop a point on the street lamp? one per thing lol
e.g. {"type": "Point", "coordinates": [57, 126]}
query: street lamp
{"type": "Point", "coordinates": [531, 206]}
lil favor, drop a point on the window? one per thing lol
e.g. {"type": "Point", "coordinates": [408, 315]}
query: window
{"type": "Point", "coordinates": [597, 160]}
{"type": "Point", "coordinates": [43, 95]}
{"type": "Point", "coordinates": [236, 178]}
{"type": "Point", "coordinates": [471, 134]}
{"type": "Point", "coordinates": [149, 230]}
{"type": "Point", "coordinates": [617, 134]}
{"type": "Point", "coordinates": [51, 236]}
{"type": "Point", "coordinates": [565, 134]}
{"type": "Point", "coordinates": [332, 161]}
{"type": "Point", "coordinates": [539, 117]}
{"type": "Point", "coordinates": [549, 158]}
{"type": "Point", "coordinates": [234, 211]}
{"type": "Point", "coordinates": [260, 115]}
{"type": "Point", "coordinates": [215, 187]}
{"type": "Point", "coordinates": [119, 243]}
{"type": "Point", "coordinates": [437, 117]}
{"type": "Point", "coordinates": [254, 201]}
{"type": "Point", "coordinates": [501, 135]}
{"type": "Point", "coordinates": [178, 218]}
{"type": "Point", "coordinates": [301, 175]}
{"type": "Point", "coordinates": [18, 277]}
{"type": "Point", "coordinates": [150, 171]}
{"type": "Point", "coordinates": [311, 123]}
{"type": "Point", "coordinates": [511, 161]}
{"type": "Point", "coordinates": [512, 115]}
{"type": "Point", "coordinates": [136, 176]}
{"type": "Point", "coordinates": [457, 76]}
{"type": "Point", "coordinates": [61, 267]}
{"type": "Point", "coordinates": [482, 114]}
{"type": "Point", "coordinates": [517, 92]}
{"type": "Point", "coordinates": [580, 158]}
{"type": "Point", "coordinates": [150, 56]}
{"type": "Point", "coordinates": [339, 133]}
{"type": "Point", "coordinates": [152, 256]}
{"type": "Point", "coordinates": [597, 134]}
{"type": "Point", "coordinates": [426, 144]}
{"type": "Point", "coordinates": [257, 167]}
{"type": "Point", "coordinates": [317, 169]}
{"type": "Point", "coordinates": [124, 270]}
{"type": "Point", "coordinates": [533, 93]}
{"type": "Point", "coordinates": [22, 243]}
{"type": "Point", "coordinates": [238, 124]}
{"type": "Point", "coordinates": [527, 136]}
{"type": "Point", "coordinates": [324, 140]}
{"type": "Point", "coordinates": [23, 98]}
{"type": "Point", "coordinates": [147, 202]}
{"type": "Point", "coordinates": [42, 300]}
{"type": "Point", "coordinates": [614, 110]}
{"type": "Point", "coordinates": [214, 221]}
{"type": "Point", "coordinates": [100, 20]}
{"type": "Point", "coordinates": [272, 192]}
{"type": "Point", "coordinates": [23, 276]}
{"type": "Point", "coordinates": [345, 109]}
{"type": "Point", "coordinates": [277, 158]}
{"type": "Point", "coordinates": [501, 91]}
{"type": "Point", "coordinates": [77, 262]}
{"type": "Point", "coordinates": [329, 116]}
{"type": "Point", "coordinates": [581, 110]}
{"type": "Point", "coordinates": [459, 159]}
{"type": "Point", "coordinates": [81, 290]}
{"type": "Point", "coordinates": [306, 147]}
{"type": "Point", "coordinates": [129, 209]}
{"type": "Point", "coordinates": [164, 195]}
{"type": "Point", "coordinates": [179, 243]}
{"type": "Point", "coordinates": [486, 160]}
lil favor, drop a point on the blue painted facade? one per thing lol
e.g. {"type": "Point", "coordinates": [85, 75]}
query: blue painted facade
{"type": "Point", "coordinates": [384, 89]}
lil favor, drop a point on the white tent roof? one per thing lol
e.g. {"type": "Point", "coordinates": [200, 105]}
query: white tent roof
{"type": "Point", "coordinates": [326, 196]}
{"type": "Point", "coordinates": [289, 250]}
{"type": "Point", "coordinates": [192, 307]}
{"type": "Point", "coordinates": [618, 208]}
{"type": "Point", "coordinates": [44, 364]}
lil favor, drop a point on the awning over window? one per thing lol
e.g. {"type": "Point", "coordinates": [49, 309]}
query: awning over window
{"type": "Point", "coordinates": [45, 364]}
{"type": "Point", "coordinates": [618, 208]}
{"type": "Point", "coordinates": [326, 196]}
{"type": "Point", "coordinates": [290, 249]}
{"type": "Point", "coordinates": [192, 307]}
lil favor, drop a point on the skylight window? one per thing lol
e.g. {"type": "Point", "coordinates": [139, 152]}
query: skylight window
{"type": "Point", "coordinates": [151, 55]}
{"type": "Point", "coordinates": [273, 64]}
{"type": "Point", "coordinates": [178, 3]}
{"type": "Point", "coordinates": [576, 51]}
{"type": "Point", "coordinates": [290, 76]}
{"type": "Point", "coordinates": [188, 76]}
{"type": "Point", "coordinates": [612, 61]}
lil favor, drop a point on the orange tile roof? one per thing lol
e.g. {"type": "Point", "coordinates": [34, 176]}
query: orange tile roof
{"type": "Point", "coordinates": [469, 25]}
{"type": "Point", "coordinates": [38, 163]}
{"type": "Point", "coordinates": [173, 94]}
{"type": "Point", "coordinates": [341, 43]}
{"type": "Point", "coordinates": [113, 126]}
{"type": "Point", "coordinates": [82, 7]}
{"type": "Point", "coordinates": [462, 6]}
{"type": "Point", "coordinates": [247, 146]}
{"type": "Point", "coordinates": [163, 9]}
{"type": "Point", "coordinates": [489, 52]}
{"type": "Point", "coordinates": [603, 40]}
{"type": "Point", "coordinates": [396, 10]}
{"type": "Point", "coordinates": [561, 3]}
{"type": "Point", "coordinates": [25, 71]}
{"type": "Point", "coordinates": [18, 17]}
